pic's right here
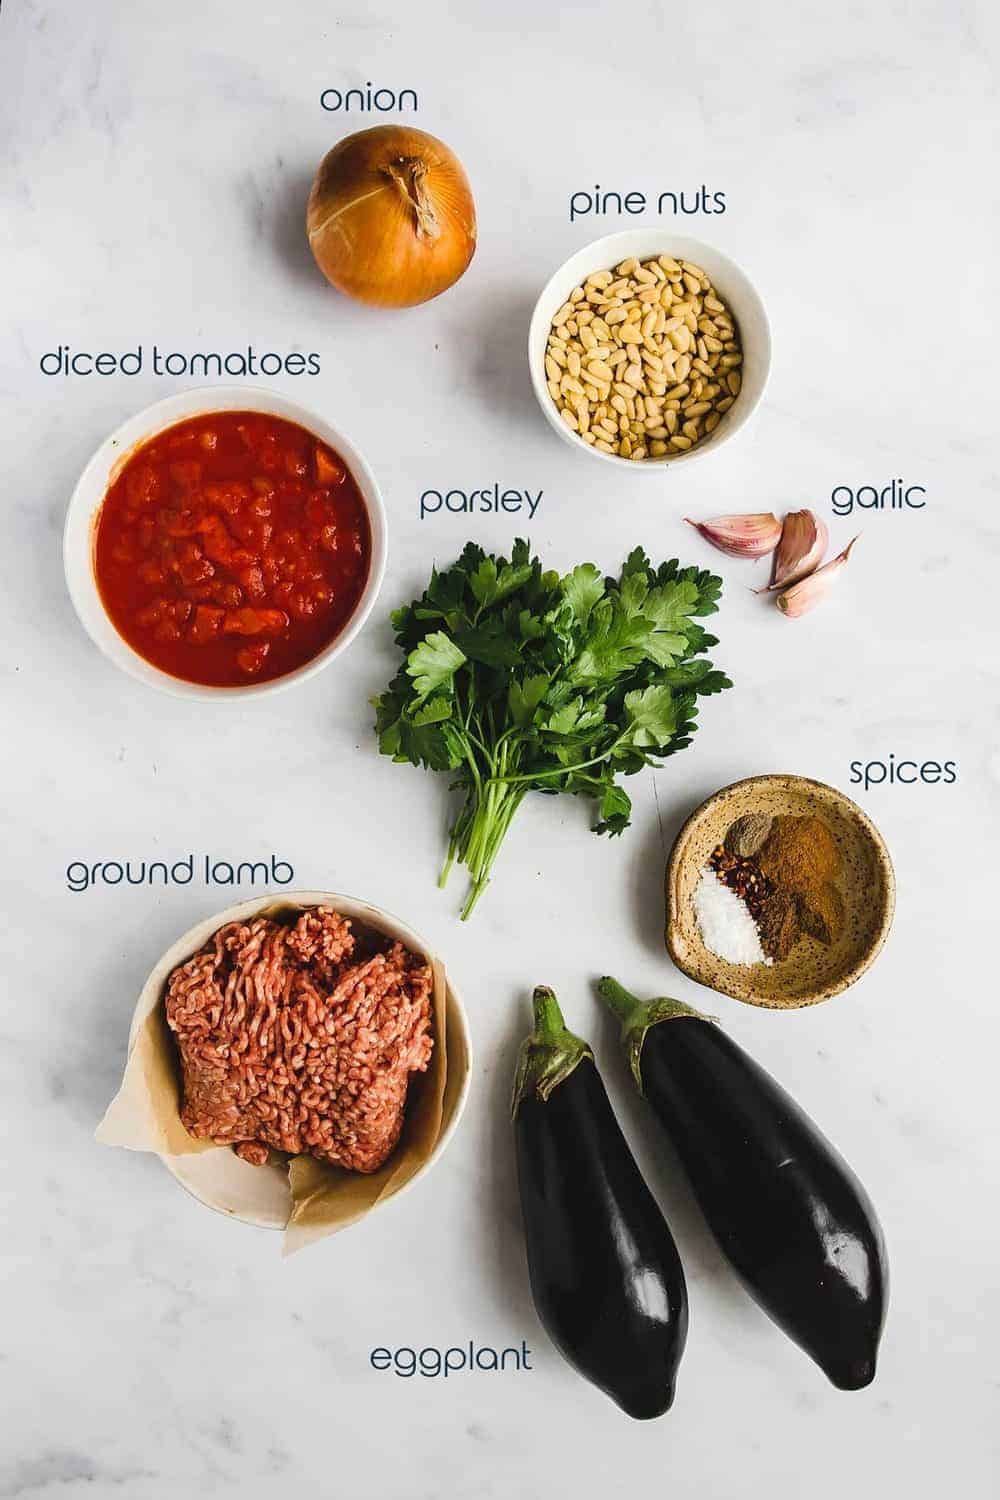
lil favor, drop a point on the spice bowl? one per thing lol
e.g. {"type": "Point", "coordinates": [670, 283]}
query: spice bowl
{"type": "Point", "coordinates": [812, 970]}
{"type": "Point", "coordinates": [732, 285]}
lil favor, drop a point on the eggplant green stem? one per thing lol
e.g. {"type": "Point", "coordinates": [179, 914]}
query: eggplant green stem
{"type": "Point", "coordinates": [637, 1016]}
{"type": "Point", "coordinates": [550, 1053]}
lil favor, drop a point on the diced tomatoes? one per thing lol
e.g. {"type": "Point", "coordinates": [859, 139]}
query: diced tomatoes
{"type": "Point", "coordinates": [329, 470]}
{"type": "Point", "coordinates": [250, 659]}
{"type": "Point", "coordinates": [252, 580]}
{"type": "Point", "coordinates": [229, 496]}
{"type": "Point", "coordinates": [194, 565]}
{"type": "Point", "coordinates": [250, 621]}
{"type": "Point", "coordinates": [232, 546]}
{"type": "Point", "coordinates": [229, 595]}
{"type": "Point", "coordinates": [142, 483]}
{"type": "Point", "coordinates": [185, 473]}
{"type": "Point", "coordinates": [206, 624]}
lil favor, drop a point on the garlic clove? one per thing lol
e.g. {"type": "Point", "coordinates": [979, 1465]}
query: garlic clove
{"type": "Point", "coordinates": [741, 536]}
{"type": "Point", "coordinates": [804, 539]}
{"type": "Point", "coordinates": [808, 592]}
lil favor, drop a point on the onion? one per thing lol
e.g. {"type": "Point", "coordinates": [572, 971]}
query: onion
{"type": "Point", "coordinates": [391, 218]}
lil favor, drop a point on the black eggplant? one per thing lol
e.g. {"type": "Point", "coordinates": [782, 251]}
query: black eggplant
{"type": "Point", "coordinates": [605, 1274]}
{"type": "Point", "coordinates": [786, 1209]}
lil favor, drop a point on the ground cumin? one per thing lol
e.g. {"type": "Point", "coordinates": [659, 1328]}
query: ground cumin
{"type": "Point", "coordinates": [799, 854]}
{"type": "Point", "coordinates": [800, 859]}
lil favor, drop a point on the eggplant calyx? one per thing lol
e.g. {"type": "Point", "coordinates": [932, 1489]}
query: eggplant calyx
{"type": "Point", "coordinates": [637, 1016]}
{"type": "Point", "coordinates": [550, 1053]}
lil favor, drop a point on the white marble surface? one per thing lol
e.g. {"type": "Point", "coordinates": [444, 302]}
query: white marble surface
{"type": "Point", "coordinates": [154, 165]}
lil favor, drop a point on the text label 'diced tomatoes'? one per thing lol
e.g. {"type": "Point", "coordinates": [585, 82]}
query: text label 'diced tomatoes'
{"type": "Point", "coordinates": [232, 548]}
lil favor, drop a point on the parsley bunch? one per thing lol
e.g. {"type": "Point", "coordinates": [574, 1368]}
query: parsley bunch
{"type": "Point", "coordinates": [517, 680]}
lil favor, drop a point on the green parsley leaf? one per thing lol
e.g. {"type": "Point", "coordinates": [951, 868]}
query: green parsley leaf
{"type": "Point", "coordinates": [433, 663]}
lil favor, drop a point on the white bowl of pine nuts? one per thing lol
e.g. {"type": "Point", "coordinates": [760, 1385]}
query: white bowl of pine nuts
{"type": "Point", "coordinates": [648, 348]}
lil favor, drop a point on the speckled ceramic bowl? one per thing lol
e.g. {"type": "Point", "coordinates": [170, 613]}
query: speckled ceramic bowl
{"type": "Point", "coordinates": [812, 971]}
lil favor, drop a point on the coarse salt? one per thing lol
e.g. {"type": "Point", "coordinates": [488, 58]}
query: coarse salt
{"type": "Point", "coordinates": [727, 928]}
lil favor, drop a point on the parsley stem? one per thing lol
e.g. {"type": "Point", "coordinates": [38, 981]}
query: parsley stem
{"type": "Point", "coordinates": [565, 770]}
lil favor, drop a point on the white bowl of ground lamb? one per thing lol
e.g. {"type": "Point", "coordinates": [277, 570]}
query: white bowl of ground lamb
{"type": "Point", "coordinates": [215, 1175]}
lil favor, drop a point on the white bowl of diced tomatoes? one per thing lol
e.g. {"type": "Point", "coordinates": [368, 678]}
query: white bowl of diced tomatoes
{"type": "Point", "coordinates": [225, 541]}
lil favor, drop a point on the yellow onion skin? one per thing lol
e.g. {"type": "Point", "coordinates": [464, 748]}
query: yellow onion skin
{"type": "Point", "coordinates": [391, 217]}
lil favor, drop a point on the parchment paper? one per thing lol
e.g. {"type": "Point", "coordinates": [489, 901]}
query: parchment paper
{"type": "Point", "coordinates": [145, 1113]}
